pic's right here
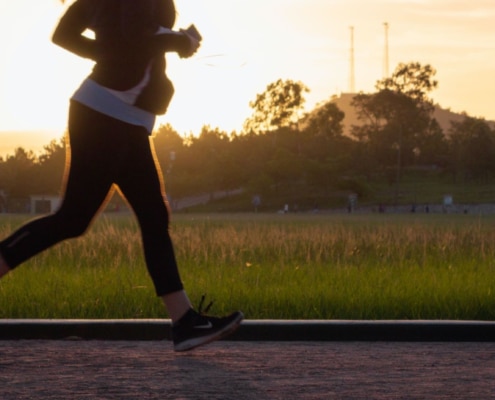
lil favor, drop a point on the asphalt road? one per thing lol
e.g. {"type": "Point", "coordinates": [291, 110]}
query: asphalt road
{"type": "Point", "coordinates": [105, 369]}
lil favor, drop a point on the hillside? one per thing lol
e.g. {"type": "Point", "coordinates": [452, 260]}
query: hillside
{"type": "Point", "coordinates": [442, 115]}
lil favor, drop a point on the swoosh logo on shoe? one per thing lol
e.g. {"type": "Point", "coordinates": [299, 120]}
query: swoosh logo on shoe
{"type": "Point", "coordinates": [204, 326]}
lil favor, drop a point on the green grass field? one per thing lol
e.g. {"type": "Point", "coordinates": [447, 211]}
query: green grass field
{"type": "Point", "coordinates": [301, 266]}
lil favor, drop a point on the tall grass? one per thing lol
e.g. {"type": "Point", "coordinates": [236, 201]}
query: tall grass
{"type": "Point", "coordinates": [271, 266]}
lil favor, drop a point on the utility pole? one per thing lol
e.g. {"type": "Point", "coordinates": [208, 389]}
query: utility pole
{"type": "Point", "coordinates": [385, 57]}
{"type": "Point", "coordinates": [352, 78]}
{"type": "Point", "coordinates": [399, 162]}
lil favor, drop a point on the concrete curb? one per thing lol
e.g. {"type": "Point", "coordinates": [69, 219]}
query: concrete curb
{"type": "Point", "coordinates": [256, 330]}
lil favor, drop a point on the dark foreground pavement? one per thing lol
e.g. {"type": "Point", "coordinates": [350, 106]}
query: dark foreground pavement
{"type": "Point", "coordinates": [133, 359]}
{"type": "Point", "coordinates": [97, 369]}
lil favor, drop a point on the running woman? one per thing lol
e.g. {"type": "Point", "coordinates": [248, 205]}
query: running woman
{"type": "Point", "coordinates": [111, 118]}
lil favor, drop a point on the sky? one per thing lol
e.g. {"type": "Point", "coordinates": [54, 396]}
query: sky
{"type": "Point", "coordinates": [251, 43]}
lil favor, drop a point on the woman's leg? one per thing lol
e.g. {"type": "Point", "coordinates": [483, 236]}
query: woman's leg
{"type": "Point", "coordinates": [4, 268]}
{"type": "Point", "coordinates": [141, 183]}
{"type": "Point", "coordinates": [86, 187]}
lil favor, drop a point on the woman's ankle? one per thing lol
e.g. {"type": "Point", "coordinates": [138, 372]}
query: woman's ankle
{"type": "Point", "coordinates": [177, 304]}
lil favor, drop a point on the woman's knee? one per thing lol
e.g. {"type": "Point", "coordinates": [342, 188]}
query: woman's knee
{"type": "Point", "coordinates": [154, 220]}
{"type": "Point", "coordinates": [71, 226]}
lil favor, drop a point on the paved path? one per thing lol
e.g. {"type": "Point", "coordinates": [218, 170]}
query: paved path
{"type": "Point", "coordinates": [237, 370]}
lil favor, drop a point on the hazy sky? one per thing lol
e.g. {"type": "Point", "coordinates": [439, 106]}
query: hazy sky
{"type": "Point", "coordinates": [251, 43]}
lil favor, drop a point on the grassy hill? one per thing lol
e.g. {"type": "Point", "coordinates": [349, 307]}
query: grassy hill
{"type": "Point", "coordinates": [416, 187]}
{"type": "Point", "coordinates": [443, 116]}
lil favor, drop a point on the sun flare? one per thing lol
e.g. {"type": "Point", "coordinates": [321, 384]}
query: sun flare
{"type": "Point", "coordinates": [249, 44]}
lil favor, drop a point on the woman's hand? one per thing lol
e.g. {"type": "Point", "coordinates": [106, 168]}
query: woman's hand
{"type": "Point", "coordinates": [193, 47]}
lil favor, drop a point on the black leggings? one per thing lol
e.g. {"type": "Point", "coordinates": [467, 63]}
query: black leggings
{"type": "Point", "coordinates": [104, 151]}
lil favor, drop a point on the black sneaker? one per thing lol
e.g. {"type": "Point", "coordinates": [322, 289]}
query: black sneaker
{"type": "Point", "coordinates": [195, 329]}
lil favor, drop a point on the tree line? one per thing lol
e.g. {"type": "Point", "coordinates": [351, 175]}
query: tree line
{"type": "Point", "coordinates": [282, 148]}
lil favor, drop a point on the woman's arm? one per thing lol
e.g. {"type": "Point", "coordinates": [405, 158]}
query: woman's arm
{"type": "Point", "coordinates": [179, 42]}
{"type": "Point", "coordinates": [68, 33]}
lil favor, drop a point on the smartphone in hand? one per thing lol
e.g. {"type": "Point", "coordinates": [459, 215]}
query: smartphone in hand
{"type": "Point", "coordinates": [192, 31]}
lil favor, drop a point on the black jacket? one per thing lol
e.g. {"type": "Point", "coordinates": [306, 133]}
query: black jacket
{"type": "Point", "coordinates": [125, 44]}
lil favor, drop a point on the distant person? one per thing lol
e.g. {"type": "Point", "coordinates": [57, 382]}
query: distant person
{"type": "Point", "coordinates": [256, 202]}
{"type": "Point", "coordinates": [111, 117]}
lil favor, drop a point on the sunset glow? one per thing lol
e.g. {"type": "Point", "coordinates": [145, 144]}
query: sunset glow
{"type": "Point", "coordinates": [249, 44]}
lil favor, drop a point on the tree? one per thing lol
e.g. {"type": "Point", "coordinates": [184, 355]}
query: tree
{"type": "Point", "coordinates": [253, 152]}
{"type": "Point", "coordinates": [49, 168]}
{"type": "Point", "coordinates": [432, 147]}
{"type": "Point", "coordinates": [279, 106]}
{"type": "Point", "coordinates": [168, 146]}
{"type": "Point", "coordinates": [324, 145]}
{"type": "Point", "coordinates": [325, 120]}
{"type": "Point", "coordinates": [391, 122]}
{"type": "Point", "coordinates": [16, 173]}
{"type": "Point", "coordinates": [285, 167]}
{"type": "Point", "coordinates": [398, 119]}
{"type": "Point", "coordinates": [167, 139]}
{"type": "Point", "coordinates": [472, 148]}
{"type": "Point", "coordinates": [413, 80]}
